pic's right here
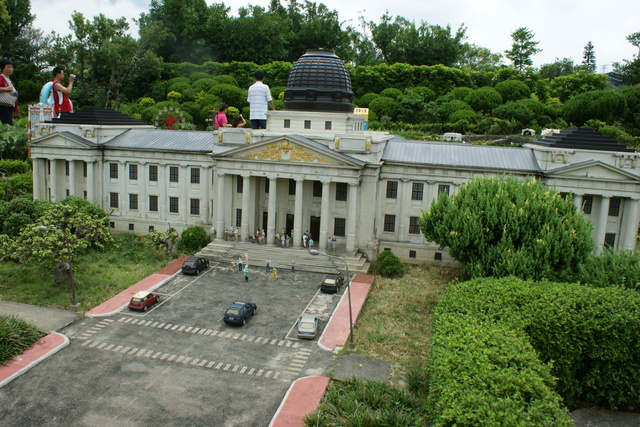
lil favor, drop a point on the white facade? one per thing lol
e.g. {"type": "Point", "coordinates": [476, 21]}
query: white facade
{"type": "Point", "coordinates": [312, 171]}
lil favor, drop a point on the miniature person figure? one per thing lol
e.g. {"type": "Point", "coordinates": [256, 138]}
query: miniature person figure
{"type": "Point", "coordinates": [305, 238]}
{"type": "Point", "coordinates": [267, 266]}
{"type": "Point", "coordinates": [333, 243]}
{"type": "Point", "coordinates": [277, 239]}
{"type": "Point", "coordinates": [240, 264]}
{"type": "Point", "coordinates": [287, 240]}
{"type": "Point", "coordinates": [310, 243]}
{"type": "Point", "coordinates": [275, 273]}
{"type": "Point", "coordinates": [293, 266]}
{"type": "Point", "coordinates": [282, 240]}
{"type": "Point", "coordinates": [246, 274]}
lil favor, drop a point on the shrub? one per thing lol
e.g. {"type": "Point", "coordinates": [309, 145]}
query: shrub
{"type": "Point", "coordinates": [612, 268]}
{"type": "Point", "coordinates": [483, 99]}
{"type": "Point", "coordinates": [392, 93]}
{"type": "Point", "coordinates": [384, 106]}
{"type": "Point", "coordinates": [230, 95]}
{"type": "Point", "coordinates": [602, 105]}
{"type": "Point", "coordinates": [504, 227]}
{"type": "Point", "coordinates": [16, 336]}
{"type": "Point", "coordinates": [366, 99]}
{"type": "Point", "coordinates": [512, 90]}
{"type": "Point", "coordinates": [193, 239]}
{"type": "Point", "coordinates": [514, 111]}
{"type": "Point", "coordinates": [466, 115]}
{"type": "Point", "coordinates": [388, 265]}
{"type": "Point", "coordinates": [451, 107]}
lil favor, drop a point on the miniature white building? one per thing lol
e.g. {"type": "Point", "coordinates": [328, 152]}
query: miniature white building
{"type": "Point", "coordinates": [315, 170]}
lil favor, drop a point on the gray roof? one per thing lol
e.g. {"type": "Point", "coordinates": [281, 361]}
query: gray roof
{"type": "Point", "coordinates": [460, 155]}
{"type": "Point", "coordinates": [161, 139]}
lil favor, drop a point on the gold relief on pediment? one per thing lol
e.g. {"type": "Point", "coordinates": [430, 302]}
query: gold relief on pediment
{"type": "Point", "coordinates": [285, 151]}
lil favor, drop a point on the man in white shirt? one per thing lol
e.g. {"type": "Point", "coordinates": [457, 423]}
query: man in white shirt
{"type": "Point", "coordinates": [259, 100]}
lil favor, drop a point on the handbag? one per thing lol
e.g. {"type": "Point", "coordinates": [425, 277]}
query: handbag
{"type": "Point", "coordinates": [8, 99]}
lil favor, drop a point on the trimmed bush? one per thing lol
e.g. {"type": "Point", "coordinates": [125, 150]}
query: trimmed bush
{"type": "Point", "coordinates": [512, 90]}
{"type": "Point", "coordinates": [193, 239]}
{"type": "Point", "coordinates": [388, 265]}
{"type": "Point", "coordinates": [483, 99]}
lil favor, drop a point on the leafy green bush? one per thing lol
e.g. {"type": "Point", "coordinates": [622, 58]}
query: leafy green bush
{"type": "Point", "coordinates": [383, 106]}
{"type": "Point", "coordinates": [512, 90]}
{"type": "Point", "coordinates": [16, 336]}
{"type": "Point", "coordinates": [193, 239]}
{"type": "Point", "coordinates": [604, 105]}
{"type": "Point", "coordinates": [483, 99]}
{"type": "Point", "coordinates": [612, 268]}
{"type": "Point", "coordinates": [513, 110]}
{"type": "Point", "coordinates": [388, 265]}
{"type": "Point", "coordinates": [365, 99]}
{"type": "Point", "coordinates": [392, 93]}
{"type": "Point", "coordinates": [504, 227]}
{"type": "Point", "coordinates": [230, 95]}
{"type": "Point", "coordinates": [15, 166]}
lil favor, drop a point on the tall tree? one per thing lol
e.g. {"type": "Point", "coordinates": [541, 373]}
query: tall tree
{"type": "Point", "coordinates": [589, 57]}
{"type": "Point", "coordinates": [522, 49]}
{"type": "Point", "coordinates": [630, 69]}
{"type": "Point", "coordinates": [14, 16]}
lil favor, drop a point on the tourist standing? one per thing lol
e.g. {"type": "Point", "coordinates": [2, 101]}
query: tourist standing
{"type": "Point", "coordinates": [61, 102]}
{"type": "Point", "coordinates": [10, 106]}
{"type": "Point", "coordinates": [259, 99]}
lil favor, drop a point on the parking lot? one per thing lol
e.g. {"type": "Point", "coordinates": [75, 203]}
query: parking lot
{"type": "Point", "coordinates": [178, 363]}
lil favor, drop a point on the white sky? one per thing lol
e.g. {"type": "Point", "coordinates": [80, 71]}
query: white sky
{"type": "Point", "coordinates": [563, 27]}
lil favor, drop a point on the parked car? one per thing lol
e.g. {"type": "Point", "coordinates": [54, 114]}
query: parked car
{"type": "Point", "coordinates": [238, 312]}
{"type": "Point", "coordinates": [307, 326]}
{"type": "Point", "coordinates": [194, 265]}
{"type": "Point", "coordinates": [143, 300]}
{"type": "Point", "coordinates": [332, 283]}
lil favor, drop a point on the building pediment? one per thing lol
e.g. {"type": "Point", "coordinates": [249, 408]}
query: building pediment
{"type": "Point", "coordinates": [594, 170]}
{"type": "Point", "coordinates": [291, 149]}
{"type": "Point", "coordinates": [62, 140]}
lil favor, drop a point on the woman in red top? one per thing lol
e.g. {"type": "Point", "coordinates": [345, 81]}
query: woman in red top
{"type": "Point", "coordinates": [7, 112]}
{"type": "Point", "coordinates": [220, 121]}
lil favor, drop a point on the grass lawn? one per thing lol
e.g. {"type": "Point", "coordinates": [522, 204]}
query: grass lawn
{"type": "Point", "coordinates": [101, 275]}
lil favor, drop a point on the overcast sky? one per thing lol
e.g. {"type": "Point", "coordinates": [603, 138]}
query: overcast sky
{"type": "Point", "coordinates": [563, 27]}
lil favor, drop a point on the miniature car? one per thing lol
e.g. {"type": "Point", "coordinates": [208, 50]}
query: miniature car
{"type": "Point", "coordinates": [143, 300]}
{"type": "Point", "coordinates": [194, 265]}
{"type": "Point", "coordinates": [332, 283]}
{"type": "Point", "coordinates": [307, 326]}
{"type": "Point", "coordinates": [238, 312]}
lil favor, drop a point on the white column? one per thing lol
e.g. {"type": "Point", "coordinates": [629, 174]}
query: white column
{"type": "Point", "coordinates": [72, 178]}
{"type": "Point", "coordinates": [246, 206]}
{"type": "Point", "coordinates": [352, 217]}
{"type": "Point", "coordinates": [123, 178]}
{"type": "Point", "coordinates": [297, 217]}
{"type": "Point", "coordinates": [401, 203]}
{"type": "Point", "coordinates": [143, 197]}
{"type": "Point", "coordinates": [219, 206]}
{"type": "Point", "coordinates": [205, 182]}
{"type": "Point", "coordinates": [91, 196]}
{"type": "Point", "coordinates": [183, 177]}
{"type": "Point", "coordinates": [601, 226]}
{"type": "Point", "coordinates": [163, 183]}
{"type": "Point", "coordinates": [324, 216]}
{"type": "Point", "coordinates": [630, 226]}
{"type": "Point", "coordinates": [53, 182]}
{"type": "Point", "coordinates": [271, 215]}
{"type": "Point", "coordinates": [38, 168]}
{"type": "Point", "coordinates": [577, 201]}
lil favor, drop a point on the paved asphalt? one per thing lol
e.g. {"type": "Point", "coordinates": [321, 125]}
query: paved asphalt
{"type": "Point", "coordinates": [178, 363]}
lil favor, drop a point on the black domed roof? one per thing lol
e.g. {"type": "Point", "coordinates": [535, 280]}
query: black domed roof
{"type": "Point", "coordinates": [319, 81]}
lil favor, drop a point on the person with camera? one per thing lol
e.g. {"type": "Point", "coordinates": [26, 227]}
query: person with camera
{"type": "Point", "coordinates": [9, 98]}
{"type": "Point", "coordinates": [61, 102]}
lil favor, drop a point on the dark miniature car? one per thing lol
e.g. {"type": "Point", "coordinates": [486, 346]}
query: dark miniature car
{"type": "Point", "coordinates": [238, 312]}
{"type": "Point", "coordinates": [194, 265]}
{"type": "Point", "coordinates": [307, 326]}
{"type": "Point", "coordinates": [332, 283]}
{"type": "Point", "coordinates": [143, 300]}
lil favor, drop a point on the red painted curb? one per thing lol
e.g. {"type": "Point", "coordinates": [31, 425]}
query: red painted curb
{"type": "Point", "coordinates": [303, 397]}
{"type": "Point", "coordinates": [42, 349]}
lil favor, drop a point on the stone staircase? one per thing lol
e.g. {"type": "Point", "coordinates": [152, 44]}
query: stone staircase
{"type": "Point", "coordinates": [228, 252]}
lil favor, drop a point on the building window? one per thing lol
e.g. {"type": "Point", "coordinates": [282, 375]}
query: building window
{"type": "Point", "coordinates": [153, 173]}
{"type": "Point", "coordinates": [239, 184]}
{"type": "Point", "coordinates": [173, 205]}
{"type": "Point", "coordinates": [173, 174]}
{"type": "Point", "coordinates": [68, 193]}
{"type": "Point", "coordinates": [66, 168]}
{"type": "Point", "coordinates": [417, 191]}
{"type": "Point", "coordinates": [392, 189]}
{"type": "Point", "coordinates": [437, 256]}
{"type": "Point", "coordinates": [266, 185]}
{"type": "Point", "coordinates": [339, 226]}
{"type": "Point", "coordinates": [133, 201]}
{"type": "Point", "coordinates": [195, 175]}
{"type": "Point", "coordinates": [307, 124]}
{"type": "Point", "coordinates": [113, 200]}
{"type": "Point", "coordinates": [443, 188]}
{"type": "Point", "coordinates": [341, 191]}
{"type": "Point", "coordinates": [614, 206]}
{"type": "Point", "coordinates": [131, 227]}
{"type": "Point", "coordinates": [413, 225]}
{"type": "Point", "coordinates": [153, 203]}
{"type": "Point", "coordinates": [151, 228]}
{"type": "Point", "coordinates": [112, 224]}
{"type": "Point", "coordinates": [317, 189]}
{"type": "Point", "coordinates": [113, 170]}
{"type": "Point", "coordinates": [327, 125]}
{"type": "Point", "coordinates": [287, 123]}
{"type": "Point", "coordinates": [85, 194]}
{"type": "Point", "coordinates": [194, 206]}
{"type": "Point", "coordinates": [238, 217]}
{"type": "Point", "coordinates": [412, 254]}
{"type": "Point", "coordinates": [587, 204]}
{"type": "Point", "coordinates": [292, 187]}
{"type": "Point", "coordinates": [609, 240]}
{"type": "Point", "coordinates": [390, 223]}
{"type": "Point", "coordinates": [84, 169]}
{"type": "Point", "coordinates": [133, 172]}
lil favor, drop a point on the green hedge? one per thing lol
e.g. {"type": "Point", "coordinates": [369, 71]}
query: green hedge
{"type": "Point", "coordinates": [498, 344]}
{"type": "Point", "coordinates": [16, 336]}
